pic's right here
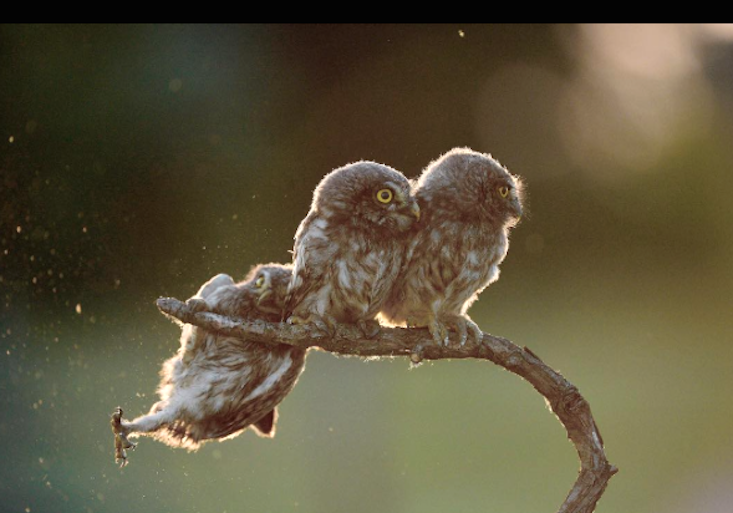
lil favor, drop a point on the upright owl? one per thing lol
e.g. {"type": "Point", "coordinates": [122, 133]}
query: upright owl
{"type": "Point", "coordinates": [216, 386]}
{"type": "Point", "coordinates": [349, 248]}
{"type": "Point", "coordinates": [468, 202]}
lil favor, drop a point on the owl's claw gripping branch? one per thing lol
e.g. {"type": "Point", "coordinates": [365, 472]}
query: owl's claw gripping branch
{"type": "Point", "coordinates": [121, 441]}
{"type": "Point", "coordinates": [370, 328]}
{"type": "Point", "coordinates": [417, 344]}
{"type": "Point", "coordinates": [325, 325]}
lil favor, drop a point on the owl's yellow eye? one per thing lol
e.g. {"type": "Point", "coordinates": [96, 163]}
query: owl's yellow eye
{"type": "Point", "coordinates": [504, 191]}
{"type": "Point", "coordinates": [260, 282]}
{"type": "Point", "coordinates": [384, 195]}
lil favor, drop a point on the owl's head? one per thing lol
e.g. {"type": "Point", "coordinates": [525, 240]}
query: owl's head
{"type": "Point", "coordinates": [268, 285]}
{"type": "Point", "coordinates": [367, 195]}
{"type": "Point", "coordinates": [472, 185]}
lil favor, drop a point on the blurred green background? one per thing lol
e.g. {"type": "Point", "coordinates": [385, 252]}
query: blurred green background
{"type": "Point", "coordinates": [137, 161]}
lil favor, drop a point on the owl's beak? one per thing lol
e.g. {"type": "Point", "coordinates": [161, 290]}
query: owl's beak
{"type": "Point", "coordinates": [518, 209]}
{"type": "Point", "coordinates": [415, 210]}
{"type": "Point", "coordinates": [264, 295]}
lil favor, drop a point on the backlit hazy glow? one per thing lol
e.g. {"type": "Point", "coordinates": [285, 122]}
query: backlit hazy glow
{"type": "Point", "coordinates": [639, 89]}
{"type": "Point", "coordinates": [653, 51]}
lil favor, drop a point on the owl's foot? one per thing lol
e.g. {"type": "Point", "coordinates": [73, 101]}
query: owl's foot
{"type": "Point", "coordinates": [121, 442]}
{"type": "Point", "coordinates": [466, 329]}
{"type": "Point", "coordinates": [439, 332]}
{"type": "Point", "coordinates": [326, 325]}
{"type": "Point", "coordinates": [463, 325]}
{"type": "Point", "coordinates": [369, 327]}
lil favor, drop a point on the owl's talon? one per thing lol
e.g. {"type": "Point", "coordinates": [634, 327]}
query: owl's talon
{"type": "Point", "coordinates": [445, 335]}
{"type": "Point", "coordinates": [323, 324]}
{"type": "Point", "coordinates": [467, 329]}
{"type": "Point", "coordinates": [439, 333]}
{"type": "Point", "coordinates": [463, 325]}
{"type": "Point", "coordinates": [121, 442]}
{"type": "Point", "coordinates": [370, 328]}
{"type": "Point", "coordinates": [460, 327]}
{"type": "Point", "coordinates": [477, 334]}
{"type": "Point", "coordinates": [297, 321]}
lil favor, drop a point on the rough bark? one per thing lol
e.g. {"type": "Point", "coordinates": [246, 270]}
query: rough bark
{"type": "Point", "coordinates": [566, 402]}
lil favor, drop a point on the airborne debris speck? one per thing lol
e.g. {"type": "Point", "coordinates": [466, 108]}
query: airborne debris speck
{"type": "Point", "coordinates": [175, 85]}
{"type": "Point", "coordinates": [78, 308]}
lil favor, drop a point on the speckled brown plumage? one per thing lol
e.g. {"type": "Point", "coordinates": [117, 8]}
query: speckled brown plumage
{"type": "Point", "coordinates": [349, 248]}
{"type": "Point", "coordinates": [468, 202]}
{"type": "Point", "coordinates": [217, 386]}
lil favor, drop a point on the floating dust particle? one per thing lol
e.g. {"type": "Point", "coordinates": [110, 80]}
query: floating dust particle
{"type": "Point", "coordinates": [175, 85]}
{"type": "Point", "coordinates": [78, 308]}
{"type": "Point", "coordinates": [461, 33]}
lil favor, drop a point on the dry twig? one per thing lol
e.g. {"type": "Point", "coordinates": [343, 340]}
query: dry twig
{"type": "Point", "coordinates": [564, 399]}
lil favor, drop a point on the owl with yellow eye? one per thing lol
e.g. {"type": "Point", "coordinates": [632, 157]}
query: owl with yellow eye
{"type": "Point", "coordinates": [217, 386]}
{"type": "Point", "coordinates": [469, 202]}
{"type": "Point", "coordinates": [350, 247]}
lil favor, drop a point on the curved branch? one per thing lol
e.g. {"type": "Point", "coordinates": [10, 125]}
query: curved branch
{"type": "Point", "coordinates": [564, 398]}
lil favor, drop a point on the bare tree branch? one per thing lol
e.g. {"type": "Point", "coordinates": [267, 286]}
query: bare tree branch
{"type": "Point", "coordinates": [417, 344]}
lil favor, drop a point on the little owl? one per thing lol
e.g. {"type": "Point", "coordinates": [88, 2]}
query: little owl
{"type": "Point", "coordinates": [216, 386]}
{"type": "Point", "coordinates": [468, 202]}
{"type": "Point", "coordinates": [350, 247]}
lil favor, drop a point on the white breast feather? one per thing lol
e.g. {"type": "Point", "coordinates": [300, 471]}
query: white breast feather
{"type": "Point", "coordinates": [271, 379]}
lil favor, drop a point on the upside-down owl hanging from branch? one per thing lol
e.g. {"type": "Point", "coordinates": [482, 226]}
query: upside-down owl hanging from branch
{"type": "Point", "coordinates": [217, 386]}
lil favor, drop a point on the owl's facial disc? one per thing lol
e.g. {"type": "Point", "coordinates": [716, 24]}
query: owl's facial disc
{"type": "Point", "coordinates": [401, 207]}
{"type": "Point", "coordinates": [509, 195]}
{"type": "Point", "coordinates": [406, 214]}
{"type": "Point", "coordinates": [267, 300]}
{"type": "Point", "coordinates": [263, 287]}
